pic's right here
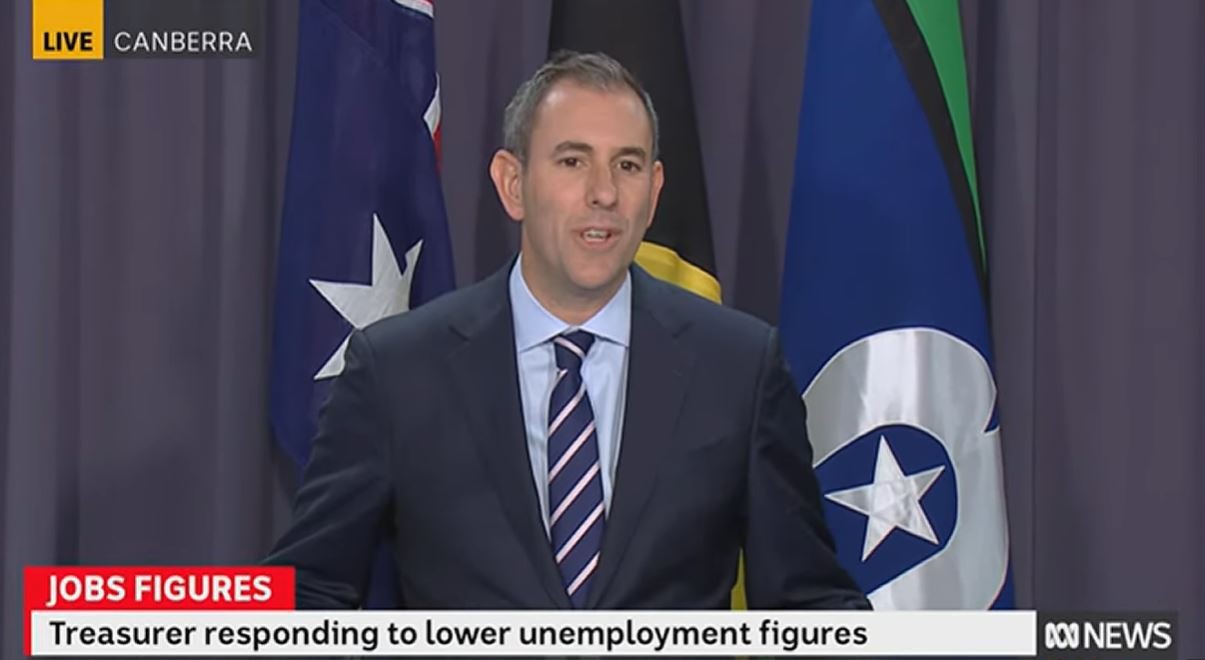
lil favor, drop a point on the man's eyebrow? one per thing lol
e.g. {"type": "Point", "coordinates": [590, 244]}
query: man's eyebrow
{"type": "Point", "coordinates": [637, 152]}
{"type": "Point", "coordinates": [570, 145]}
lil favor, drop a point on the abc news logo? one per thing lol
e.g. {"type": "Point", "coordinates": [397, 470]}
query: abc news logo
{"type": "Point", "coordinates": [1068, 636]}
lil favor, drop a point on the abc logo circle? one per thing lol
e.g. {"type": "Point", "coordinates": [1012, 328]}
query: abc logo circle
{"type": "Point", "coordinates": [1062, 635]}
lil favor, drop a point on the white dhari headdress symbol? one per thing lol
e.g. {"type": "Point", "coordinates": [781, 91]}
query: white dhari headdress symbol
{"type": "Point", "coordinates": [939, 384]}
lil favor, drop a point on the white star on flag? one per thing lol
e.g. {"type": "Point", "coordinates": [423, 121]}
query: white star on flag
{"type": "Point", "coordinates": [891, 501]}
{"type": "Point", "coordinates": [362, 304]}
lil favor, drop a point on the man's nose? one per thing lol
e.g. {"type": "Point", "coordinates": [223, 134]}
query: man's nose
{"type": "Point", "coordinates": [602, 192]}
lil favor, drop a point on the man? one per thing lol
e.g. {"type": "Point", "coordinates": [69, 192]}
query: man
{"type": "Point", "coordinates": [570, 432]}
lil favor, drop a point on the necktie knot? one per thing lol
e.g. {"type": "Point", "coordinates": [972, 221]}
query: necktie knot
{"type": "Point", "coordinates": [571, 349]}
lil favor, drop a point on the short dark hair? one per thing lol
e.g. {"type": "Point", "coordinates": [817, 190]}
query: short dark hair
{"type": "Point", "coordinates": [594, 70]}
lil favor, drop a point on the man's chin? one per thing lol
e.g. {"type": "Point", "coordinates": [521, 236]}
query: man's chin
{"type": "Point", "coordinates": [598, 285]}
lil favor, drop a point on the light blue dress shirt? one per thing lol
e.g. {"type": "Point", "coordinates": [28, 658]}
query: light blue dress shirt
{"type": "Point", "coordinates": [605, 371]}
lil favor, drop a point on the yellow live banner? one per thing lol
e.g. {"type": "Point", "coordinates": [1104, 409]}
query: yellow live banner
{"type": "Point", "coordinates": [68, 29]}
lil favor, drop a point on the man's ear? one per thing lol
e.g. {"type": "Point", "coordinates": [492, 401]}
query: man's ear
{"type": "Point", "coordinates": [655, 193]}
{"type": "Point", "coordinates": [507, 174]}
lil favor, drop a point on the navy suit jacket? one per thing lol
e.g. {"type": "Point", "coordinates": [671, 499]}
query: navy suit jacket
{"type": "Point", "coordinates": [422, 440]}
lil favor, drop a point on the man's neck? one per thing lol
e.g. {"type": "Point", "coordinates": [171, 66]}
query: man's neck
{"type": "Point", "coordinates": [574, 308]}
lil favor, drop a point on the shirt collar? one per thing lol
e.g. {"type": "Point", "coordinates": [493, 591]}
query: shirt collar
{"type": "Point", "coordinates": [534, 324]}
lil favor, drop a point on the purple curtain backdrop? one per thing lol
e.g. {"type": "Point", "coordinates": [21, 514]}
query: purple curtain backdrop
{"type": "Point", "coordinates": [140, 200]}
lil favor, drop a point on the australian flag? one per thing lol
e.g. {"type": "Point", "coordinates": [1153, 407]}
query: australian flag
{"type": "Point", "coordinates": [364, 233]}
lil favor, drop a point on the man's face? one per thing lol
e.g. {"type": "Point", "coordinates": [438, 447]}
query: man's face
{"type": "Point", "coordinates": [587, 191]}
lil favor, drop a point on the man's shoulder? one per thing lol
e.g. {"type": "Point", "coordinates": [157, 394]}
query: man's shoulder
{"type": "Point", "coordinates": [702, 317]}
{"type": "Point", "coordinates": [433, 324]}
{"type": "Point", "coordinates": [730, 346]}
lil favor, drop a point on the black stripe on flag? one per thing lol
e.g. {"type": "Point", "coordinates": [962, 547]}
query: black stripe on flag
{"type": "Point", "coordinates": [913, 52]}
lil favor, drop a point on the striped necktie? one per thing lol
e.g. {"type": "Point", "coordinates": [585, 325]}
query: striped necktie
{"type": "Point", "coordinates": [575, 494]}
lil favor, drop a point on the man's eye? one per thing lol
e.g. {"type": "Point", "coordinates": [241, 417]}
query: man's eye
{"type": "Point", "coordinates": [629, 166]}
{"type": "Point", "coordinates": [571, 161]}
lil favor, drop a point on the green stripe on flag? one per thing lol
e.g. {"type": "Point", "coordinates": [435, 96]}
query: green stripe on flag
{"type": "Point", "coordinates": [941, 26]}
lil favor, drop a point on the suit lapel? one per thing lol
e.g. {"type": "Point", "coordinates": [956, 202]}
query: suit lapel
{"type": "Point", "coordinates": [658, 373]}
{"type": "Point", "coordinates": [486, 374]}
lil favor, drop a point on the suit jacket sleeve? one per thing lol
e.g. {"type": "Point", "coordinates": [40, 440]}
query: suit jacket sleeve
{"type": "Point", "coordinates": [790, 560]}
{"type": "Point", "coordinates": [342, 508]}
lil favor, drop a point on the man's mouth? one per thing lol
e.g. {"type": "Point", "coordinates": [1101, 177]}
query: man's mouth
{"type": "Point", "coordinates": [597, 236]}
